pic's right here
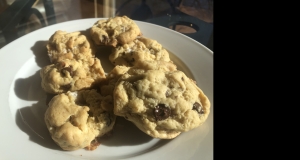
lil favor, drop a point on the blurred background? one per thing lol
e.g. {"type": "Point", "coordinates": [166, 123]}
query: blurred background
{"type": "Point", "coordinates": [193, 18]}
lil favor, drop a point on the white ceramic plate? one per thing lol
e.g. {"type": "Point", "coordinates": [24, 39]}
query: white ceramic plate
{"type": "Point", "coordinates": [23, 133]}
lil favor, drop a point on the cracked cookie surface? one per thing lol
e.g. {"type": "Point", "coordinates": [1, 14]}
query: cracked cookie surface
{"type": "Point", "coordinates": [74, 45]}
{"type": "Point", "coordinates": [160, 103]}
{"type": "Point", "coordinates": [114, 30]}
{"type": "Point", "coordinates": [114, 75]}
{"type": "Point", "coordinates": [139, 50]}
{"type": "Point", "coordinates": [71, 75]}
{"type": "Point", "coordinates": [75, 119]}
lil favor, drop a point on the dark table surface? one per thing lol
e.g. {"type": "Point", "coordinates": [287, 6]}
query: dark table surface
{"type": "Point", "coordinates": [193, 18]}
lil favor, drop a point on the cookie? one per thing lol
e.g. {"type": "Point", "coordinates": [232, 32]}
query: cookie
{"type": "Point", "coordinates": [63, 45]}
{"type": "Point", "coordinates": [155, 65]}
{"type": "Point", "coordinates": [71, 75]}
{"type": "Point", "coordinates": [114, 75]}
{"type": "Point", "coordinates": [160, 103]}
{"type": "Point", "coordinates": [111, 79]}
{"type": "Point", "coordinates": [76, 119]}
{"type": "Point", "coordinates": [114, 30]}
{"type": "Point", "coordinates": [139, 50]}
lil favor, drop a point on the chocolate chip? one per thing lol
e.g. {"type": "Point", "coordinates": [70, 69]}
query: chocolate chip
{"type": "Point", "coordinates": [197, 107]}
{"type": "Point", "coordinates": [68, 69]}
{"type": "Point", "coordinates": [161, 112]}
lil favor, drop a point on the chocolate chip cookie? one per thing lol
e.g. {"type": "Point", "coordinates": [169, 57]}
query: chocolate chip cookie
{"type": "Point", "coordinates": [74, 45]}
{"type": "Point", "coordinates": [75, 119]}
{"type": "Point", "coordinates": [114, 30]}
{"type": "Point", "coordinates": [139, 50]}
{"type": "Point", "coordinates": [71, 75]}
{"type": "Point", "coordinates": [113, 76]}
{"type": "Point", "coordinates": [160, 103]}
{"type": "Point", "coordinates": [111, 79]}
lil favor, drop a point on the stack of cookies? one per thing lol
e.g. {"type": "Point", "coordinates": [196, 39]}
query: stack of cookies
{"type": "Point", "coordinates": [77, 114]}
{"type": "Point", "coordinates": [144, 86]}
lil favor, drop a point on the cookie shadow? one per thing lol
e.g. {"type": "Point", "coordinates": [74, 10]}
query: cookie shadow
{"type": "Point", "coordinates": [40, 52]}
{"type": "Point", "coordinates": [26, 88]}
{"type": "Point", "coordinates": [30, 119]}
{"type": "Point", "coordinates": [36, 130]}
{"type": "Point", "coordinates": [102, 54]}
{"type": "Point", "coordinates": [125, 133]}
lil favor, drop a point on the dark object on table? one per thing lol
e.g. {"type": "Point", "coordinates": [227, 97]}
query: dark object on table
{"type": "Point", "coordinates": [203, 30]}
{"type": "Point", "coordinates": [142, 12]}
{"type": "Point", "coordinates": [14, 18]}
